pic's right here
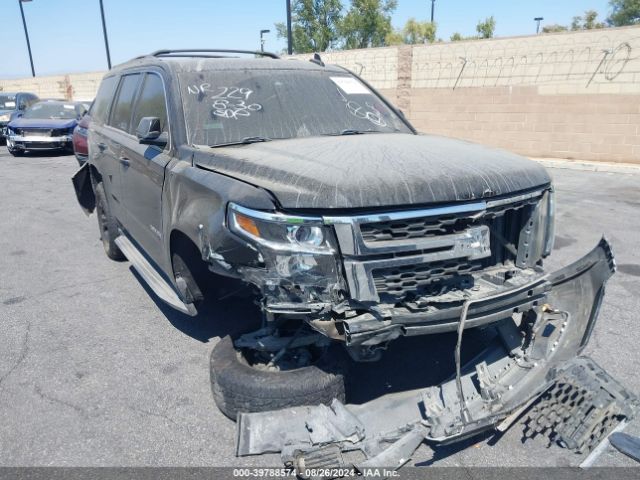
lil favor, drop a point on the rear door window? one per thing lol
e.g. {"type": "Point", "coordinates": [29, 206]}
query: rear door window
{"type": "Point", "coordinates": [123, 104]}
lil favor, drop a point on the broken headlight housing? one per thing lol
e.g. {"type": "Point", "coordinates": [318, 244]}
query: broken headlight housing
{"type": "Point", "coordinates": [299, 253]}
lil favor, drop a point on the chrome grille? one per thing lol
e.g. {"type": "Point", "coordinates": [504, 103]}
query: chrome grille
{"type": "Point", "coordinates": [390, 230]}
{"type": "Point", "coordinates": [428, 278]}
{"type": "Point", "coordinates": [413, 228]}
{"type": "Point", "coordinates": [391, 256]}
{"type": "Point", "coordinates": [398, 281]}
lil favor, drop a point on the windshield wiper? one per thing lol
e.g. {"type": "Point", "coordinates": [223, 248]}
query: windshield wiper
{"type": "Point", "coordinates": [351, 131]}
{"type": "Point", "coordinates": [244, 141]}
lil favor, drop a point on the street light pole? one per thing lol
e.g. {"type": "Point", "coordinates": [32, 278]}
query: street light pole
{"type": "Point", "coordinates": [289, 39]}
{"type": "Point", "coordinates": [433, 6]}
{"type": "Point", "coordinates": [262, 32]}
{"type": "Point", "coordinates": [538, 20]}
{"type": "Point", "coordinates": [26, 34]}
{"type": "Point", "coordinates": [104, 31]}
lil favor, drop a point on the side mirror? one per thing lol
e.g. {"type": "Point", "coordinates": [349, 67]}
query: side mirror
{"type": "Point", "coordinates": [149, 132]}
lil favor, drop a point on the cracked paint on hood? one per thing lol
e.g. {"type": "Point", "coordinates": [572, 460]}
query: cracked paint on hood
{"type": "Point", "coordinates": [375, 170]}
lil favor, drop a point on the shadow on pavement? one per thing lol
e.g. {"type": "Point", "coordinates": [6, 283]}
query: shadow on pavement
{"type": "Point", "coordinates": [229, 316]}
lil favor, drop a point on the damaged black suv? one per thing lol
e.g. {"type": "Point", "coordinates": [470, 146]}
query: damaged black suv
{"type": "Point", "coordinates": [300, 180]}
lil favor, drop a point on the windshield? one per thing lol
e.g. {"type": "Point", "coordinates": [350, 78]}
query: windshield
{"type": "Point", "coordinates": [7, 102]}
{"type": "Point", "coordinates": [51, 110]}
{"type": "Point", "coordinates": [228, 106]}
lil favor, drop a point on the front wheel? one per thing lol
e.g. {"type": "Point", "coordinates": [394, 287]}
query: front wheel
{"type": "Point", "coordinates": [16, 152]}
{"type": "Point", "coordinates": [107, 224]}
{"type": "Point", "coordinates": [238, 386]}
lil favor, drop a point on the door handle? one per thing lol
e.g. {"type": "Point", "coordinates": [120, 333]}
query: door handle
{"type": "Point", "coordinates": [102, 146]}
{"type": "Point", "coordinates": [125, 161]}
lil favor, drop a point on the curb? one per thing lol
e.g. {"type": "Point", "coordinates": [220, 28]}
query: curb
{"type": "Point", "coordinates": [627, 168]}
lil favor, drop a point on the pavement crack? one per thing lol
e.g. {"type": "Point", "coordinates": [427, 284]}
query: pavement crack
{"type": "Point", "coordinates": [81, 411]}
{"type": "Point", "coordinates": [24, 350]}
{"type": "Point", "coordinates": [154, 414]}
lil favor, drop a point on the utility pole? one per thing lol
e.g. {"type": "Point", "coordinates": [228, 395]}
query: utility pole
{"type": "Point", "coordinates": [26, 34]}
{"type": "Point", "coordinates": [433, 6]}
{"type": "Point", "coordinates": [289, 36]}
{"type": "Point", "coordinates": [104, 31]}
{"type": "Point", "coordinates": [262, 32]}
{"type": "Point", "coordinates": [538, 20]}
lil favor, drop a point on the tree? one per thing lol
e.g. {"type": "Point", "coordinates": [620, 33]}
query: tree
{"type": "Point", "coordinates": [314, 25]}
{"type": "Point", "coordinates": [456, 37]}
{"type": "Point", "coordinates": [394, 37]}
{"type": "Point", "coordinates": [553, 28]}
{"type": "Point", "coordinates": [419, 32]}
{"type": "Point", "coordinates": [367, 23]}
{"type": "Point", "coordinates": [413, 32]}
{"type": "Point", "coordinates": [624, 12]}
{"type": "Point", "coordinates": [587, 22]}
{"type": "Point", "coordinates": [486, 28]}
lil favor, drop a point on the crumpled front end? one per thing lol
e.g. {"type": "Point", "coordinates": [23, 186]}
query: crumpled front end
{"type": "Point", "coordinates": [367, 279]}
{"type": "Point", "coordinates": [530, 351]}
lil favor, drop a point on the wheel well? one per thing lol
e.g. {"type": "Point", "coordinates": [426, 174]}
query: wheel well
{"type": "Point", "coordinates": [187, 263]}
{"type": "Point", "coordinates": [180, 243]}
{"type": "Point", "coordinates": [207, 283]}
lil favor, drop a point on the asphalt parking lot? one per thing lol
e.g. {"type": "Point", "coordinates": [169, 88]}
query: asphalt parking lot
{"type": "Point", "coordinates": [95, 372]}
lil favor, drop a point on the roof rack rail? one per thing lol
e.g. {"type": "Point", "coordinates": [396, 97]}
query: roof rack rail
{"type": "Point", "coordinates": [160, 53]}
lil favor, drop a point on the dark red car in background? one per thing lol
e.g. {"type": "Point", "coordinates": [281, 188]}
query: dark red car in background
{"type": "Point", "coordinates": [80, 138]}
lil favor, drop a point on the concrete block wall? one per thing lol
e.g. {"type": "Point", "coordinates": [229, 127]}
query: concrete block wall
{"type": "Point", "coordinates": [597, 127]}
{"type": "Point", "coordinates": [77, 86]}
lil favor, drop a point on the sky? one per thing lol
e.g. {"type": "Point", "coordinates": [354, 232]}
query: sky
{"type": "Point", "coordinates": [66, 35]}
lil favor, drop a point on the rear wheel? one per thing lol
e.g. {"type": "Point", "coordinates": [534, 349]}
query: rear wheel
{"type": "Point", "coordinates": [107, 225]}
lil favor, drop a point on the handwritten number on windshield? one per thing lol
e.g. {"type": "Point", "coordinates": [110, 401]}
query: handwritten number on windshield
{"type": "Point", "coordinates": [228, 102]}
{"type": "Point", "coordinates": [372, 114]}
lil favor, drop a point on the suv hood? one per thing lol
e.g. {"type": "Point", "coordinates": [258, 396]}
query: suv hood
{"type": "Point", "coordinates": [374, 170]}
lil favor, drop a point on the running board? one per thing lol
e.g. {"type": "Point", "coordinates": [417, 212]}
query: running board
{"type": "Point", "coordinates": [159, 285]}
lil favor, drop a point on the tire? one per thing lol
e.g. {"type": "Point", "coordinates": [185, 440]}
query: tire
{"type": "Point", "coordinates": [181, 270]}
{"type": "Point", "coordinates": [238, 388]}
{"type": "Point", "coordinates": [107, 225]}
{"type": "Point", "coordinates": [16, 153]}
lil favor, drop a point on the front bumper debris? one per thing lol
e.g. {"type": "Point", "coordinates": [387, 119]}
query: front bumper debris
{"type": "Point", "coordinates": [580, 408]}
{"type": "Point", "coordinates": [527, 356]}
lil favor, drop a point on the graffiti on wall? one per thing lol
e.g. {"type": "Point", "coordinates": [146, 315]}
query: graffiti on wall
{"type": "Point", "coordinates": [601, 58]}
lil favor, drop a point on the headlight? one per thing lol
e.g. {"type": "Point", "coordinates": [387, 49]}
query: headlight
{"type": "Point", "coordinates": [5, 117]}
{"type": "Point", "coordinates": [282, 233]}
{"type": "Point", "coordinates": [299, 255]}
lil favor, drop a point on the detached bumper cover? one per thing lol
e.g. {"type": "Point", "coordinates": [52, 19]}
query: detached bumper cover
{"type": "Point", "coordinates": [523, 361]}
